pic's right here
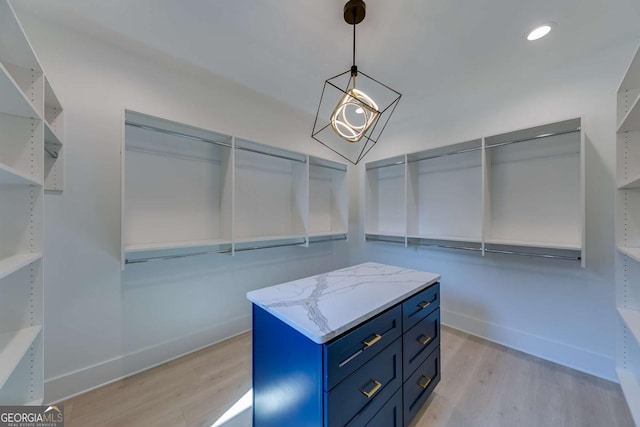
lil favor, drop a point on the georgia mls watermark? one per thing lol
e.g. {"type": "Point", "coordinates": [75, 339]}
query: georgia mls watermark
{"type": "Point", "coordinates": [31, 416]}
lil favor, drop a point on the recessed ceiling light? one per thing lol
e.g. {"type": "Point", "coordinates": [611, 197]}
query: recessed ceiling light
{"type": "Point", "coordinates": [539, 32]}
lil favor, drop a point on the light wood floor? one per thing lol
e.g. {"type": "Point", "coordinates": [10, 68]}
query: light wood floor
{"type": "Point", "coordinates": [483, 384]}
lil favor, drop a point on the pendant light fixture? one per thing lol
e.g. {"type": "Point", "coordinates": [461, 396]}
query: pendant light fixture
{"type": "Point", "coordinates": [354, 108]}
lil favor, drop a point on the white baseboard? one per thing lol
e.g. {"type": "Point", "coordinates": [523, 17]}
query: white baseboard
{"type": "Point", "coordinates": [77, 382]}
{"type": "Point", "coordinates": [580, 359]}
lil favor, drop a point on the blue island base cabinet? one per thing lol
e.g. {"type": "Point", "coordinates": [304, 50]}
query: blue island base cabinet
{"type": "Point", "coordinates": [377, 372]}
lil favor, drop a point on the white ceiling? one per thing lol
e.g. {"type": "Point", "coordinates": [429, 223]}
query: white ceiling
{"type": "Point", "coordinates": [287, 48]}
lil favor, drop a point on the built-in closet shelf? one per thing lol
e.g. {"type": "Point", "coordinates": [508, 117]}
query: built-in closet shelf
{"type": "Point", "coordinates": [446, 238]}
{"type": "Point", "coordinates": [12, 264]}
{"type": "Point", "coordinates": [632, 320]}
{"type": "Point", "coordinates": [327, 233]}
{"type": "Point", "coordinates": [9, 175]}
{"type": "Point", "coordinates": [13, 100]}
{"type": "Point", "coordinates": [13, 346]}
{"type": "Point", "coordinates": [161, 246]}
{"type": "Point", "coordinates": [631, 121]}
{"type": "Point", "coordinates": [532, 244]}
{"type": "Point", "coordinates": [271, 238]}
{"type": "Point", "coordinates": [630, 183]}
{"type": "Point", "coordinates": [633, 253]}
{"type": "Point", "coordinates": [630, 384]}
{"type": "Point", "coordinates": [36, 402]}
{"type": "Point", "coordinates": [50, 136]}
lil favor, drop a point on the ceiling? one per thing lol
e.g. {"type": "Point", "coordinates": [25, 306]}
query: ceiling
{"type": "Point", "coordinates": [422, 48]}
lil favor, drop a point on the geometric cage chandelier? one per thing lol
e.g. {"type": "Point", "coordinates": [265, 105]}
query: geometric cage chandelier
{"type": "Point", "coordinates": [354, 108]}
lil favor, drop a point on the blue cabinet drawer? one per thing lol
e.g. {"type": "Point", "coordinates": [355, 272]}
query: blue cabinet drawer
{"type": "Point", "coordinates": [346, 354]}
{"type": "Point", "coordinates": [419, 341]}
{"type": "Point", "coordinates": [390, 415]}
{"type": "Point", "coordinates": [420, 306]}
{"type": "Point", "coordinates": [420, 385]}
{"type": "Point", "coordinates": [360, 396]}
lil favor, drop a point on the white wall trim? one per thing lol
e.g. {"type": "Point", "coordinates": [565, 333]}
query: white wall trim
{"type": "Point", "coordinates": [553, 351]}
{"type": "Point", "coordinates": [91, 377]}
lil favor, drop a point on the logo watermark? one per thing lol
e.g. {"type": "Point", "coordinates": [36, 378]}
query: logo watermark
{"type": "Point", "coordinates": [31, 416]}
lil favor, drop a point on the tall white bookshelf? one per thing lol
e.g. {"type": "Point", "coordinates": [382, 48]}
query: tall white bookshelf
{"type": "Point", "coordinates": [188, 191]}
{"type": "Point", "coordinates": [628, 235]}
{"type": "Point", "coordinates": [519, 193]}
{"type": "Point", "coordinates": [24, 131]}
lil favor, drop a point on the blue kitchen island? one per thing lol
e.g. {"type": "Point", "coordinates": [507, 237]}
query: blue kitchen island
{"type": "Point", "coordinates": [353, 347]}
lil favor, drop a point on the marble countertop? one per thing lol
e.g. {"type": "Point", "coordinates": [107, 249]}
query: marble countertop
{"type": "Point", "coordinates": [324, 306]}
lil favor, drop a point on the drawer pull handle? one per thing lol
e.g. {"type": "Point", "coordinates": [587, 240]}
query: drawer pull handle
{"type": "Point", "coordinates": [374, 390]}
{"type": "Point", "coordinates": [424, 304]}
{"type": "Point", "coordinates": [372, 341]}
{"type": "Point", "coordinates": [424, 339]}
{"type": "Point", "coordinates": [424, 382]}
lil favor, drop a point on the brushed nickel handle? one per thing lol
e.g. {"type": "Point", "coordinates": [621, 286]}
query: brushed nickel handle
{"type": "Point", "coordinates": [424, 381]}
{"type": "Point", "coordinates": [372, 341]}
{"type": "Point", "coordinates": [424, 304]}
{"type": "Point", "coordinates": [424, 339]}
{"type": "Point", "coordinates": [374, 390]}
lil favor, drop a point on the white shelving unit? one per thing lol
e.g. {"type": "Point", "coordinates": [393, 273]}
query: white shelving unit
{"type": "Point", "coordinates": [444, 185]}
{"type": "Point", "coordinates": [53, 140]}
{"type": "Point", "coordinates": [22, 164]}
{"type": "Point", "coordinates": [271, 193]}
{"type": "Point", "coordinates": [628, 236]}
{"type": "Point", "coordinates": [328, 198]}
{"type": "Point", "coordinates": [519, 192]}
{"type": "Point", "coordinates": [386, 199]}
{"type": "Point", "coordinates": [242, 195]}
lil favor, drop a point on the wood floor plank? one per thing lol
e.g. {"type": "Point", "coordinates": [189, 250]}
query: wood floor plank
{"type": "Point", "coordinates": [483, 385]}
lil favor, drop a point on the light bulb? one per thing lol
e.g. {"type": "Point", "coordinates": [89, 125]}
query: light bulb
{"type": "Point", "coordinates": [539, 32]}
{"type": "Point", "coordinates": [349, 126]}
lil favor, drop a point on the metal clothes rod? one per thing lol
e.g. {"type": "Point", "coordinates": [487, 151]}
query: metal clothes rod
{"type": "Point", "coordinates": [544, 135]}
{"type": "Point", "coordinates": [496, 251]}
{"type": "Point", "coordinates": [53, 154]}
{"type": "Point", "coordinates": [329, 239]}
{"type": "Point", "coordinates": [462, 248]}
{"type": "Point", "coordinates": [374, 239]}
{"type": "Point", "coordinates": [175, 133]}
{"type": "Point", "coordinates": [386, 166]}
{"type": "Point", "coordinates": [223, 251]}
{"type": "Point", "coordinates": [253, 248]}
{"type": "Point", "coordinates": [252, 150]}
{"type": "Point", "coordinates": [173, 156]}
{"type": "Point", "coordinates": [329, 167]}
{"type": "Point", "coordinates": [446, 154]}
{"type": "Point", "coordinates": [167, 257]}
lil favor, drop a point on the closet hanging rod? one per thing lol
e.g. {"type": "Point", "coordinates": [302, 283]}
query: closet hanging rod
{"type": "Point", "coordinates": [329, 167]}
{"type": "Point", "coordinates": [167, 257]}
{"type": "Point", "coordinates": [531, 254]}
{"type": "Point", "coordinates": [283, 245]}
{"type": "Point", "coordinates": [322, 239]}
{"type": "Point", "coordinates": [175, 133]}
{"type": "Point", "coordinates": [462, 248]}
{"type": "Point", "coordinates": [53, 154]}
{"type": "Point", "coordinates": [544, 135]}
{"type": "Point", "coordinates": [223, 251]}
{"type": "Point", "coordinates": [445, 154]}
{"type": "Point", "coordinates": [376, 239]}
{"type": "Point", "coordinates": [386, 166]}
{"type": "Point", "coordinates": [266, 153]}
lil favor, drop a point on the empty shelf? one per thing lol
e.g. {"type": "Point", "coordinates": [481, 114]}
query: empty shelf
{"type": "Point", "coordinates": [9, 175]}
{"type": "Point", "coordinates": [533, 244]}
{"type": "Point", "coordinates": [632, 320]}
{"type": "Point", "coordinates": [446, 238]}
{"type": "Point", "coordinates": [258, 239]}
{"type": "Point", "coordinates": [16, 262]}
{"type": "Point", "coordinates": [13, 346]}
{"type": "Point", "coordinates": [50, 136]}
{"type": "Point", "coordinates": [160, 246]}
{"type": "Point", "coordinates": [631, 121]}
{"type": "Point", "coordinates": [633, 253]}
{"type": "Point", "coordinates": [13, 100]}
{"type": "Point", "coordinates": [630, 384]}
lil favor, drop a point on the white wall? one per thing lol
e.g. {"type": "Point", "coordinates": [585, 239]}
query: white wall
{"type": "Point", "coordinates": [102, 324]}
{"type": "Point", "coordinates": [553, 309]}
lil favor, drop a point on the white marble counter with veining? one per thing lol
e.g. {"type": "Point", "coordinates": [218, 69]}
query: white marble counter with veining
{"type": "Point", "coordinates": [324, 306]}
